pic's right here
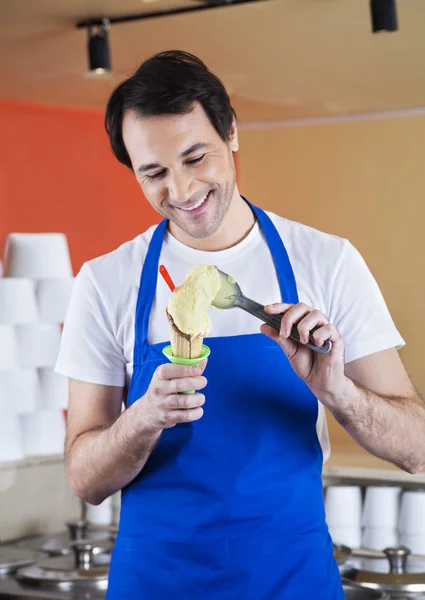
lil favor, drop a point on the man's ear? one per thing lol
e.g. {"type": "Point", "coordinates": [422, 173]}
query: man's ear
{"type": "Point", "coordinates": [234, 139]}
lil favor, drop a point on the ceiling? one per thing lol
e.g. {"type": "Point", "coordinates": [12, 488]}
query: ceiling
{"type": "Point", "coordinates": [280, 59]}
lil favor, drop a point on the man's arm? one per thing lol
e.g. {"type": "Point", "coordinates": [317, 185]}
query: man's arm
{"type": "Point", "coordinates": [372, 397]}
{"type": "Point", "coordinates": [105, 449]}
{"type": "Point", "coordinates": [382, 410]}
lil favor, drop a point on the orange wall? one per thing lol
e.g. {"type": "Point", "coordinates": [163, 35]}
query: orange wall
{"type": "Point", "coordinates": [57, 173]}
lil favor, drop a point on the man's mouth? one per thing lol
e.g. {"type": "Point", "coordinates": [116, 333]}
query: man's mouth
{"type": "Point", "coordinates": [197, 205]}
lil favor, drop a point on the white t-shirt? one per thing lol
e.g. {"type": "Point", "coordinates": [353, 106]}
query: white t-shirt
{"type": "Point", "coordinates": [98, 335]}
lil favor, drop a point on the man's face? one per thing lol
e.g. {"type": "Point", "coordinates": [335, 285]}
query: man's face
{"type": "Point", "coordinates": [184, 168]}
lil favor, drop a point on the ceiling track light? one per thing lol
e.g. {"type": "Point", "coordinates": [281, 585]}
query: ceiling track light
{"type": "Point", "coordinates": [166, 12]}
{"type": "Point", "coordinates": [383, 15]}
{"type": "Point", "coordinates": [98, 47]}
{"type": "Point", "coordinates": [98, 28]}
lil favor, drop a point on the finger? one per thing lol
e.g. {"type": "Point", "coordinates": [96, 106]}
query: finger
{"type": "Point", "coordinates": [169, 371]}
{"type": "Point", "coordinates": [287, 345]}
{"type": "Point", "coordinates": [277, 308]}
{"type": "Point", "coordinates": [327, 332]}
{"type": "Point", "coordinates": [270, 332]}
{"type": "Point", "coordinates": [183, 401]}
{"type": "Point", "coordinates": [203, 365]}
{"type": "Point", "coordinates": [186, 416]}
{"type": "Point", "coordinates": [292, 317]}
{"type": "Point", "coordinates": [311, 321]}
{"type": "Point", "coordinates": [184, 384]}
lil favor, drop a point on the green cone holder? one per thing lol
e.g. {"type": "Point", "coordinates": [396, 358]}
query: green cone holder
{"type": "Point", "coordinates": [193, 362]}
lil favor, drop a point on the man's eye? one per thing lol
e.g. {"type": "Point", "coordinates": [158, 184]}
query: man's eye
{"type": "Point", "coordinates": [193, 161]}
{"type": "Point", "coordinates": [156, 175]}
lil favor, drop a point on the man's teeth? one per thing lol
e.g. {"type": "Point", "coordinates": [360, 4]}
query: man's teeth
{"type": "Point", "coordinates": [198, 204]}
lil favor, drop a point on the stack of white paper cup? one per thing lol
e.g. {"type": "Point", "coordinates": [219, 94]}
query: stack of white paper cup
{"type": "Point", "coordinates": [53, 297]}
{"type": "Point", "coordinates": [11, 443]}
{"type": "Point", "coordinates": [17, 301]}
{"type": "Point", "coordinates": [38, 344]}
{"type": "Point", "coordinates": [19, 392]}
{"type": "Point", "coordinates": [43, 433]}
{"type": "Point", "coordinates": [18, 386]}
{"type": "Point", "coordinates": [343, 514]}
{"type": "Point", "coordinates": [34, 296]}
{"type": "Point", "coordinates": [380, 517]}
{"type": "Point", "coordinates": [412, 521]}
{"type": "Point", "coordinates": [9, 358]}
{"type": "Point", "coordinates": [54, 390]}
{"type": "Point", "coordinates": [37, 256]}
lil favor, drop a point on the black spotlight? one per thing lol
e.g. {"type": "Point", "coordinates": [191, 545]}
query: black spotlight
{"type": "Point", "coordinates": [98, 47]}
{"type": "Point", "coordinates": [384, 15]}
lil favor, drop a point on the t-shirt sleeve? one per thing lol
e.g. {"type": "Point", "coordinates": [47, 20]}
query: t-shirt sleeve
{"type": "Point", "coordinates": [358, 308]}
{"type": "Point", "coordinates": [89, 350]}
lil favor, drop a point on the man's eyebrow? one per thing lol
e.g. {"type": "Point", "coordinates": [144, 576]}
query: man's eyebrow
{"type": "Point", "coordinates": [148, 167]}
{"type": "Point", "coordinates": [194, 148]}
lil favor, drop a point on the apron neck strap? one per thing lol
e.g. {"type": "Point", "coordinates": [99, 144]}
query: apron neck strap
{"type": "Point", "coordinates": [147, 289]}
{"type": "Point", "coordinates": [149, 277]}
{"type": "Point", "coordinates": [285, 274]}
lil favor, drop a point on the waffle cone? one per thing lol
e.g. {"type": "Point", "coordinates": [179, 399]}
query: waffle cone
{"type": "Point", "coordinates": [183, 345]}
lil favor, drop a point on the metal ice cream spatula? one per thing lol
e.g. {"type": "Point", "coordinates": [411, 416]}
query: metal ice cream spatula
{"type": "Point", "coordinates": [230, 296]}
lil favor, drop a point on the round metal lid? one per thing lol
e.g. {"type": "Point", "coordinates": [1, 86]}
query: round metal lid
{"type": "Point", "coordinates": [59, 544]}
{"type": "Point", "coordinates": [12, 559]}
{"type": "Point", "coordinates": [396, 579]}
{"type": "Point", "coordinates": [54, 545]}
{"type": "Point", "coordinates": [355, 592]}
{"type": "Point", "coordinates": [89, 567]}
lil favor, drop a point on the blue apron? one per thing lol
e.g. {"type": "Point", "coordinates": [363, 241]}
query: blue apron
{"type": "Point", "coordinates": [229, 507]}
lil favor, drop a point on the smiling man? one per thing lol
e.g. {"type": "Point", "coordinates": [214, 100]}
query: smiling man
{"type": "Point", "coordinates": [222, 492]}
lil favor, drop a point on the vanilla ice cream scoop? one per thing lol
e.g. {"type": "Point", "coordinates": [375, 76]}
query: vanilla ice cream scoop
{"type": "Point", "coordinates": [189, 303]}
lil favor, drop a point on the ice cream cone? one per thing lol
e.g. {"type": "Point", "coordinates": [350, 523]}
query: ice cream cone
{"type": "Point", "coordinates": [183, 345]}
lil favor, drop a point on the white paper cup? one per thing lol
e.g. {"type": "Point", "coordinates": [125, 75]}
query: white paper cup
{"type": "Point", "coordinates": [379, 539]}
{"type": "Point", "coordinates": [37, 255]}
{"type": "Point", "coordinates": [8, 348]}
{"type": "Point", "coordinates": [347, 536]}
{"type": "Point", "coordinates": [19, 392]}
{"type": "Point", "coordinates": [377, 565]}
{"type": "Point", "coordinates": [11, 447]}
{"type": "Point", "coordinates": [102, 514]}
{"type": "Point", "coordinates": [53, 297]}
{"type": "Point", "coordinates": [54, 390]}
{"type": "Point", "coordinates": [412, 512]}
{"type": "Point", "coordinates": [343, 506]}
{"type": "Point", "coordinates": [415, 565]}
{"type": "Point", "coordinates": [414, 541]}
{"type": "Point", "coordinates": [38, 344]}
{"type": "Point", "coordinates": [116, 507]}
{"type": "Point", "coordinates": [43, 433]}
{"type": "Point", "coordinates": [381, 507]}
{"type": "Point", "coordinates": [17, 301]}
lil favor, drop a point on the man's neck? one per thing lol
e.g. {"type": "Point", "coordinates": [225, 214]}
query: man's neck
{"type": "Point", "coordinates": [236, 225]}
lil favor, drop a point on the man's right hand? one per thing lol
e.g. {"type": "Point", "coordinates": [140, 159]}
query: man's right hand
{"type": "Point", "coordinates": [163, 406]}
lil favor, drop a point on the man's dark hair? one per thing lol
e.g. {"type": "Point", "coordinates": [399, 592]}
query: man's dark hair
{"type": "Point", "coordinates": [169, 83]}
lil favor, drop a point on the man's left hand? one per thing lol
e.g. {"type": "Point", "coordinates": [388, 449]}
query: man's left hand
{"type": "Point", "coordinates": [323, 373]}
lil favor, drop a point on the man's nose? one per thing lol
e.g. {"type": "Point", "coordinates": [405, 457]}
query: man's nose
{"type": "Point", "coordinates": [178, 187]}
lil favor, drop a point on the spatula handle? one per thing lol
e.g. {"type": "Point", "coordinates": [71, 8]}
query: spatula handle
{"type": "Point", "coordinates": [257, 310]}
